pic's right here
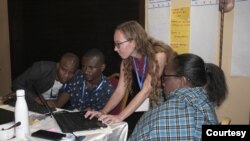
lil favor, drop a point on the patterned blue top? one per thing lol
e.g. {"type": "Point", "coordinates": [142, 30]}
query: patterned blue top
{"type": "Point", "coordinates": [82, 97]}
{"type": "Point", "coordinates": [180, 118]}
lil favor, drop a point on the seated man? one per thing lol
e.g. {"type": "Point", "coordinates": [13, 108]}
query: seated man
{"type": "Point", "coordinates": [193, 89]}
{"type": "Point", "coordinates": [89, 88]}
{"type": "Point", "coordinates": [45, 78]}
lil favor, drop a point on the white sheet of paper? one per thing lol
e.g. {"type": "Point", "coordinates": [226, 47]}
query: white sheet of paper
{"type": "Point", "coordinates": [144, 106]}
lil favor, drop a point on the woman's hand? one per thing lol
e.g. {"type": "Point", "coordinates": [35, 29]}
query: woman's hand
{"type": "Point", "coordinates": [91, 113]}
{"type": "Point", "coordinates": [109, 119]}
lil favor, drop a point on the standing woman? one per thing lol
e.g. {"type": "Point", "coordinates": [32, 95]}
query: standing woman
{"type": "Point", "coordinates": [143, 60]}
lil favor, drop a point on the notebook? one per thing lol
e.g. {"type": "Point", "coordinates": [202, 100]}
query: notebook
{"type": "Point", "coordinates": [75, 121]}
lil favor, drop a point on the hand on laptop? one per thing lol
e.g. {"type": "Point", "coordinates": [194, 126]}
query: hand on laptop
{"type": "Point", "coordinates": [109, 119]}
{"type": "Point", "coordinates": [38, 100]}
{"type": "Point", "coordinates": [91, 113]}
{"type": "Point", "coordinates": [105, 118]}
{"type": "Point", "coordinates": [10, 95]}
{"type": "Point", "coordinates": [50, 103]}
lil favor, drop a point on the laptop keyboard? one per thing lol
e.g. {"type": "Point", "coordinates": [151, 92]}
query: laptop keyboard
{"type": "Point", "coordinates": [32, 106]}
{"type": "Point", "coordinates": [75, 121]}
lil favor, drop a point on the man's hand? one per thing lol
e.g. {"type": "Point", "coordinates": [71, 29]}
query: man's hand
{"type": "Point", "coordinates": [51, 103]}
{"type": "Point", "coordinates": [10, 95]}
{"type": "Point", "coordinates": [38, 100]}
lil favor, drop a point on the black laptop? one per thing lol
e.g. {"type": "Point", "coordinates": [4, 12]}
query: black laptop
{"type": "Point", "coordinates": [75, 121]}
{"type": "Point", "coordinates": [68, 121]}
{"type": "Point", "coordinates": [6, 116]}
{"type": "Point", "coordinates": [32, 106]}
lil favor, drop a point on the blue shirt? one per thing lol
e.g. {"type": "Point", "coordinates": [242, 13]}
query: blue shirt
{"type": "Point", "coordinates": [82, 97]}
{"type": "Point", "coordinates": [180, 118]}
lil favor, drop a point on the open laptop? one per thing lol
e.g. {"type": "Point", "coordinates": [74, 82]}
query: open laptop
{"type": "Point", "coordinates": [32, 106]}
{"type": "Point", "coordinates": [75, 121]}
{"type": "Point", "coordinates": [67, 121]}
{"type": "Point", "coordinates": [6, 116]}
{"type": "Point", "coordinates": [70, 122]}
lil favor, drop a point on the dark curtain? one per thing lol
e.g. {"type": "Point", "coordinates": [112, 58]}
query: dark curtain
{"type": "Point", "coordinates": [45, 29]}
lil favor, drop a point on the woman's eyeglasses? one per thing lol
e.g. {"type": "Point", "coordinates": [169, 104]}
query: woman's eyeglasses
{"type": "Point", "coordinates": [166, 77]}
{"type": "Point", "coordinates": [118, 44]}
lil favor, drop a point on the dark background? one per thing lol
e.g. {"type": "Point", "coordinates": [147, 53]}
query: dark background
{"type": "Point", "coordinates": [45, 29]}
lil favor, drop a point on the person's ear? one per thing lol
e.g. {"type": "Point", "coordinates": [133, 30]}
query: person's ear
{"type": "Point", "coordinates": [57, 65]}
{"type": "Point", "coordinates": [184, 81]}
{"type": "Point", "coordinates": [103, 67]}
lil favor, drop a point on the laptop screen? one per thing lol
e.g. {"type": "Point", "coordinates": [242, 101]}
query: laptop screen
{"type": "Point", "coordinates": [6, 116]}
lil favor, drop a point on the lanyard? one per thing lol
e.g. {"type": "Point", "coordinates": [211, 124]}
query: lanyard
{"type": "Point", "coordinates": [84, 87]}
{"type": "Point", "coordinates": [140, 81]}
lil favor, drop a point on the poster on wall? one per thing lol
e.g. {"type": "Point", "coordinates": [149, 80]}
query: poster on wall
{"type": "Point", "coordinates": [204, 24]}
{"type": "Point", "coordinates": [158, 19]}
{"type": "Point", "coordinates": [241, 39]}
{"type": "Point", "coordinates": [204, 27]}
{"type": "Point", "coordinates": [180, 29]}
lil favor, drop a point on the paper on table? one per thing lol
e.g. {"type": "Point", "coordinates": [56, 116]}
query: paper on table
{"type": "Point", "coordinates": [144, 106]}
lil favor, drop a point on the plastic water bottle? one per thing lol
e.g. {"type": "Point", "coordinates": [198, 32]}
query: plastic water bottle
{"type": "Point", "coordinates": [22, 115]}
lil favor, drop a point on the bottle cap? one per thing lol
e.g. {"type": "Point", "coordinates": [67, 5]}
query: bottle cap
{"type": "Point", "coordinates": [20, 93]}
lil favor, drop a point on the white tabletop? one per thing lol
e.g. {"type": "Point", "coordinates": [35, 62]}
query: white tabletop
{"type": "Point", "coordinates": [115, 132]}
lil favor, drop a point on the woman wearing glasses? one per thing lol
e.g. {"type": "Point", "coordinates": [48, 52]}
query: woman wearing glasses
{"type": "Point", "coordinates": [143, 60]}
{"type": "Point", "coordinates": [194, 88]}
